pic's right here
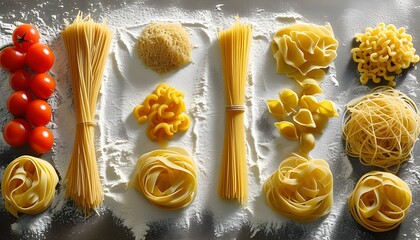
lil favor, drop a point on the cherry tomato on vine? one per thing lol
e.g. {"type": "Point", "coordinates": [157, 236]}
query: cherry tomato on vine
{"type": "Point", "coordinates": [11, 59]}
{"type": "Point", "coordinates": [20, 79]}
{"type": "Point", "coordinates": [24, 36]}
{"type": "Point", "coordinates": [42, 85]}
{"type": "Point", "coordinates": [38, 113]}
{"type": "Point", "coordinates": [39, 58]}
{"type": "Point", "coordinates": [18, 102]}
{"type": "Point", "coordinates": [41, 139]}
{"type": "Point", "coordinates": [16, 132]}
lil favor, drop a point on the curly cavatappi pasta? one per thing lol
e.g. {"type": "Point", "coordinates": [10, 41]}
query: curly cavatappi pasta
{"type": "Point", "coordinates": [380, 201]}
{"type": "Point", "coordinates": [303, 50]}
{"type": "Point", "coordinates": [383, 52]}
{"type": "Point", "coordinates": [28, 185]}
{"type": "Point", "coordinates": [381, 128]}
{"type": "Point", "coordinates": [166, 177]}
{"type": "Point", "coordinates": [300, 189]}
{"type": "Point", "coordinates": [164, 110]}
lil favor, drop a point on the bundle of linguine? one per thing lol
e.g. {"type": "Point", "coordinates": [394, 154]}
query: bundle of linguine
{"type": "Point", "coordinates": [87, 44]}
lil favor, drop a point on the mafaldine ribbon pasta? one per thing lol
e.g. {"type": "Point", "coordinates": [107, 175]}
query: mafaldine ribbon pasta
{"type": "Point", "coordinates": [166, 177]}
{"type": "Point", "coordinates": [300, 189]}
{"type": "Point", "coordinates": [380, 201]}
{"type": "Point", "coordinates": [28, 185]}
{"type": "Point", "coordinates": [303, 50]}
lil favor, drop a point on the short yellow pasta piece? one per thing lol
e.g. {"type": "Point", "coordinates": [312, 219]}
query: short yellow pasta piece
{"type": "Point", "coordinates": [310, 87]}
{"type": "Point", "coordinates": [287, 129]}
{"type": "Point", "coordinates": [327, 108]}
{"type": "Point", "coordinates": [166, 177]}
{"type": "Point", "coordinates": [289, 98]}
{"type": "Point", "coordinates": [304, 118]}
{"type": "Point", "coordinates": [380, 201]}
{"type": "Point", "coordinates": [300, 189]}
{"type": "Point", "coordinates": [309, 102]}
{"type": "Point", "coordinates": [383, 53]}
{"type": "Point", "coordinates": [28, 185]}
{"type": "Point", "coordinates": [304, 50]}
{"type": "Point", "coordinates": [276, 108]}
{"type": "Point", "coordinates": [307, 143]}
{"type": "Point", "coordinates": [164, 109]}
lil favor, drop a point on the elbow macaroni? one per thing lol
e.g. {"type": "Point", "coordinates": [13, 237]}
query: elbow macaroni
{"type": "Point", "coordinates": [383, 52]}
{"type": "Point", "coordinates": [165, 111]}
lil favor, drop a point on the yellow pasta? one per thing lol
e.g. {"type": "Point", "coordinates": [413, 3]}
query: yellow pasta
{"type": "Point", "coordinates": [235, 43]}
{"type": "Point", "coordinates": [300, 189]}
{"type": "Point", "coordinates": [310, 87]}
{"type": "Point", "coordinates": [164, 110]}
{"type": "Point", "coordinates": [380, 201]}
{"type": "Point", "coordinates": [87, 44]}
{"type": "Point", "coordinates": [303, 50]}
{"type": "Point", "coordinates": [166, 177]}
{"type": "Point", "coordinates": [164, 47]}
{"type": "Point", "coordinates": [308, 116]}
{"type": "Point", "coordinates": [381, 128]}
{"type": "Point", "coordinates": [28, 185]}
{"type": "Point", "coordinates": [383, 53]}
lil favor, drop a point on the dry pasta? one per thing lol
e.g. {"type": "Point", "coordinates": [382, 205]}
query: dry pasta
{"type": "Point", "coordinates": [300, 189]}
{"type": "Point", "coordinates": [164, 110]}
{"type": "Point", "coordinates": [303, 50]}
{"type": "Point", "coordinates": [28, 185]}
{"type": "Point", "coordinates": [164, 47]}
{"type": "Point", "coordinates": [87, 44]}
{"type": "Point", "coordinates": [381, 128]}
{"type": "Point", "coordinates": [383, 52]}
{"type": "Point", "coordinates": [380, 201]}
{"type": "Point", "coordinates": [166, 177]}
{"type": "Point", "coordinates": [235, 43]}
{"type": "Point", "coordinates": [307, 115]}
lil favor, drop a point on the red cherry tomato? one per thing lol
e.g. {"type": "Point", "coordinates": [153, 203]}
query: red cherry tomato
{"type": "Point", "coordinates": [19, 80]}
{"type": "Point", "coordinates": [16, 132]}
{"type": "Point", "coordinates": [24, 36]}
{"type": "Point", "coordinates": [11, 59]}
{"type": "Point", "coordinates": [38, 113]}
{"type": "Point", "coordinates": [39, 58]}
{"type": "Point", "coordinates": [41, 139]}
{"type": "Point", "coordinates": [42, 85]}
{"type": "Point", "coordinates": [18, 102]}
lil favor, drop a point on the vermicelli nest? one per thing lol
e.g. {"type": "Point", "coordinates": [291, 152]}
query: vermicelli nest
{"type": "Point", "coordinates": [381, 128]}
{"type": "Point", "coordinates": [164, 47]}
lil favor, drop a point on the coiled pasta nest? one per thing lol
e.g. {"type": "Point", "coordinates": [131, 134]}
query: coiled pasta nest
{"type": "Point", "coordinates": [381, 128]}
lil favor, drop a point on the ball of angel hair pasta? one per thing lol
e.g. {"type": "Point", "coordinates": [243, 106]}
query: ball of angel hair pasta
{"type": "Point", "coordinates": [166, 177]}
{"type": "Point", "coordinates": [28, 185]}
{"type": "Point", "coordinates": [381, 128]}
{"type": "Point", "coordinates": [164, 47]}
{"type": "Point", "coordinates": [380, 201]}
{"type": "Point", "coordinates": [303, 50]}
{"type": "Point", "coordinates": [300, 189]}
{"type": "Point", "coordinates": [383, 52]}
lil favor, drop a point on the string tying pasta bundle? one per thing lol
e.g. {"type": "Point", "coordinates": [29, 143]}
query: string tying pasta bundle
{"type": "Point", "coordinates": [303, 50]}
{"type": "Point", "coordinates": [381, 128]}
{"type": "Point", "coordinates": [166, 177]}
{"type": "Point", "coordinates": [300, 189]}
{"type": "Point", "coordinates": [87, 44]}
{"type": "Point", "coordinates": [28, 185]}
{"type": "Point", "coordinates": [380, 201]}
{"type": "Point", "coordinates": [235, 43]}
{"type": "Point", "coordinates": [383, 52]}
{"type": "Point", "coordinates": [164, 109]}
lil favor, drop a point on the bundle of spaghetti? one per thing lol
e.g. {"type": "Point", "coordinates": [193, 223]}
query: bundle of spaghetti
{"type": "Point", "coordinates": [28, 185]}
{"type": "Point", "coordinates": [381, 128]}
{"type": "Point", "coordinates": [300, 189]}
{"type": "Point", "coordinates": [235, 43]}
{"type": "Point", "coordinates": [87, 44]}
{"type": "Point", "coordinates": [380, 201]}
